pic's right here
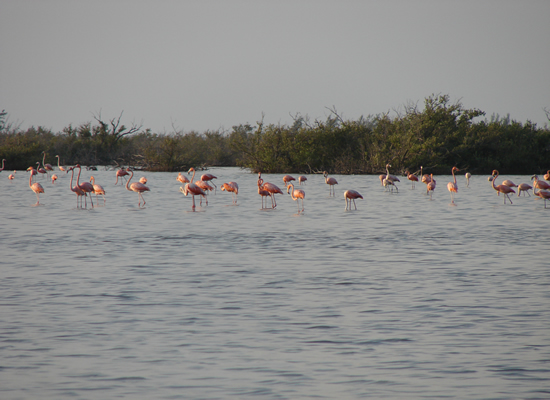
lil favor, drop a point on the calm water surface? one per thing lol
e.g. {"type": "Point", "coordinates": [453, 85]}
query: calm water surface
{"type": "Point", "coordinates": [405, 298]}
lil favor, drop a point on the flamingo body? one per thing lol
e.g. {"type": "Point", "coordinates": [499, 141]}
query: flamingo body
{"type": "Point", "coordinates": [506, 190]}
{"type": "Point", "coordinates": [36, 188]}
{"type": "Point", "coordinates": [331, 182]}
{"type": "Point", "coordinates": [351, 195]}
{"type": "Point", "coordinates": [296, 195]}
{"type": "Point", "coordinates": [452, 186]}
{"type": "Point", "coordinates": [137, 187]}
{"type": "Point", "coordinates": [302, 179]}
{"type": "Point", "coordinates": [233, 188]}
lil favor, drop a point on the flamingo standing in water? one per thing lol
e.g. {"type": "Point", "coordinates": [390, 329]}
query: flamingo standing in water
{"type": "Point", "coordinates": [452, 186]}
{"type": "Point", "coordinates": [76, 189]}
{"type": "Point", "coordinates": [287, 179]}
{"type": "Point", "coordinates": [425, 177]}
{"type": "Point", "coordinates": [302, 179]}
{"type": "Point", "coordinates": [543, 194]}
{"type": "Point", "coordinates": [137, 187]}
{"type": "Point", "coordinates": [62, 169]}
{"type": "Point", "coordinates": [390, 180]}
{"type": "Point", "coordinates": [86, 187]}
{"type": "Point", "coordinates": [47, 167]}
{"type": "Point", "coordinates": [411, 177]}
{"type": "Point", "coordinates": [271, 188]}
{"type": "Point", "coordinates": [191, 188]}
{"type": "Point", "coordinates": [296, 195]}
{"type": "Point", "coordinates": [540, 184]}
{"type": "Point", "coordinates": [121, 173]}
{"type": "Point", "coordinates": [206, 188]}
{"type": "Point", "coordinates": [208, 178]}
{"type": "Point", "coordinates": [263, 193]}
{"type": "Point", "coordinates": [350, 195]}
{"type": "Point", "coordinates": [430, 187]}
{"type": "Point", "coordinates": [502, 188]}
{"type": "Point", "coordinates": [524, 187]}
{"type": "Point", "coordinates": [468, 176]}
{"type": "Point", "coordinates": [233, 188]}
{"type": "Point", "coordinates": [54, 178]}
{"type": "Point", "coordinates": [331, 182]}
{"type": "Point", "coordinates": [36, 188]}
{"type": "Point", "coordinates": [12, 176]}
{"type": "Point", "coordinates": [98, 189]}
{"type": "Point", "coordinates": [509, 183]}
{"type": "Point", "coordinates": [182, 178]}
{"type": "Point", "coordinates": [40, 169]}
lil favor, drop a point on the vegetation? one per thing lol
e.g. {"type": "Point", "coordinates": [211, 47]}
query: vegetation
{"type": "Point", "coordinates": [438, 137]}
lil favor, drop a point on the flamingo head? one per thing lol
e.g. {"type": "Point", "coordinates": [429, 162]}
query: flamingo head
{"type": "Point", "coordinates": [535, 177]}
{"type": "Point", "coordinates": [288, 188]}
{"type": "Point", "coordinates": [455, 169]}
{"type": "Point", "coordinates": [191, 170]}
{"type": "Point", "coordinates": [495, 172]}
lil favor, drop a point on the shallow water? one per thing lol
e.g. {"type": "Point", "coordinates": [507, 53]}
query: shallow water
{"type": "Point", "coordinates": [408, 297]}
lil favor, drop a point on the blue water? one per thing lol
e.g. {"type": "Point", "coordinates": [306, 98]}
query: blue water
{"type": "Point", "coordinates": [406, 298]}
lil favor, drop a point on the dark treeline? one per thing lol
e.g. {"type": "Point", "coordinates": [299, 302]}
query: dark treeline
{"type": "Point", "coordinates": [438, 137]}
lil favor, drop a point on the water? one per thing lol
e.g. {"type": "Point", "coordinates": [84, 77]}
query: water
{"type": "Point", "coordinates": [405, 298]}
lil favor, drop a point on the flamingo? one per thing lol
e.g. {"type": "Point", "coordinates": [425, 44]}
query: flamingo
{"type": "Point", "coordinates": [468, 176]}
{"type": "Point", "coordinates": [233, 188]}
{"type": "Point", "coordinates": [331, 182]}
{"type": "Point", "coordinates": [121, 173]}
{"type": "Point", "coordinates": [40, 169]}
{"type": "Point", "coordinates": [452, 186]}
{"type": "Point", "coordinates": [47, 167]}
{"type": "Point", "coordinates": [36, 188]}
{"type": "Point", "coordinates": [543, 194]}
{"type": "Point", "coordinates": [296, 195]}
{"type": "Point", "coordinates": [502, 188]}
{"type": "Point", "coordinates": [302, 179]}
{"type": "Point", "coordinates": [547, 175]}
{"type": "Point", "coordinates": [76, 189]}
{"type": "Point", "coordinates": [182, 178]}
{"type": "Point", "coordinates": [193, 189]}
{"type": "Point", "coordinates": [524, 187]}
{"type": "Point", "coordinates": [390, 179]}
{"type": "Point", "coordinates": [137, 187]}
{"type": "Point", "coordinates": [62, 169]}
{"type": "Point", "coordinates": [425, 177]}
{"type": "Point", "coordinates": [540, 184]}
{"type": "Point", "coordinates": [381, 177]}
{"type": "Point", "coordinates": [54, 178]}
{"type": "Point", "coordinates": [3, 161]}
{"type": "Point", "coordinates": [271, 188]}
{"type": "Point", "coordinates": [509, 183]}
{"type": "Point", "coordinates": [209, 177]}
{"type": "Point", "coordinates": [86, 187]}
{"type": "Point", "coordinates": [350, 195]}
{"type": "Point", "coordinates": [411, 177]}
{"type": "Point", "coordinates": [263, 193]}
{"type": "Point", "coordinates": [12, 176]}
{"type": "Point", "coordinates": [287, 179]}
{"type": "Point", "coordinates": [430, 187]}
{"type": "Point", "coordinates": [206, 188]}
{"type": "Point", "coordinates": [98, 189]}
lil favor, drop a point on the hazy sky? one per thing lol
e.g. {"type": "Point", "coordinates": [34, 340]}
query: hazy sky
{"type": "Point", "coordinates": [202, 65]}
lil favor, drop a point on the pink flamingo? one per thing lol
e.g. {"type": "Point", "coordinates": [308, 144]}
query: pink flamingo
{"type": "Point", "coordinates": [543, 194]}
{"type": "Point", "coordinates": [350, 195]}
{"type": "Point", "coordinates": [430, 187]}
{"type": "Point", "coordinates": [287, 179]}
{"type": "Point", "coordinates": [502, 188]}
{"type": "Point", "coordinates": [12, 176]}
{"type": "Point", "coordinates": [271, 188]}
{"type": "Point", "coordinates": [206, 188]}
{"type": "Point", "coordinates": [452, 186]}
{"type": "Point", "coordinates": [47, 167]}
{"type": "Point", "coordinates": [36, 188]}
{"type": "Point", "coordinates": [547, 175]}
{"type": "Point", "coordinates": [121, 173]}
{"type": "Point", "coordinates": [381, 177]}
{"type": "Point", "coordinates": [263, 193]}
{"type": "Point", "coordinates": [98, 189]}
{"type": "Point", "coordinates": [524, 187]}
{"type": "Point", "coordinates": [425, 177]}
{"type": "Point", "coordinates": [62, 169]}
{"type": "Point", "coordinates": [331, 182]}
{"type": "Point", "coordinates": [540, 184]}
{"type": "Point", "coordinates": [54, 178]}
{"type": "Point", "coordinates": [40, 169]}
{"type": "Point", "coordinates": [208, 178]}
{"type": "Point", "coordinates": [509, 183]}
{"type": "Point", "coordinates": [233, 188]}
{"type": "Point", "coordinates": [143, 180]}
{"type": "Point", "coordinates": [182, 178]}
{"type": "Point", "coordinates": [296, 195]}
{"type": "Point", "coordinates": [390, 180]}
{"type": "Point", "coordinates": [193, 189]}
{"type": "Point", "coordinates": [411, 177]}
{"type": "Point", "coordinates": [302, 179]}
{"type": "Point", "coordinates": [76, 189]}
{"type": "Point", "coordinates": [137, 187]}
{"type": "Point", "coordinates": [86, 187]}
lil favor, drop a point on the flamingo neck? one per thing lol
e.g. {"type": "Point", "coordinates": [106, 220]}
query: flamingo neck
{"type": "Point", "coordinates": [292, 192]}
{"type": "Point", "coordinates": [30, 179]}
{"type": "Point", "coordinates": [129, 179]}
{"type": "Point", "coordinates": [493, 182]}
{"type": "Point", "coordinates": [58, 161]}
{"type": "Point", "coordinates": [78, 177]}
{"type": "Point", "coordinates": [72, 174]}
{"type": "Point", "coordinates": [44, 160]}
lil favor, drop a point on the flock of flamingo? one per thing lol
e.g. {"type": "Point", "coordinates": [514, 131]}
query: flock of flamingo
{"type": "Point", "coordinates": [201, 187]}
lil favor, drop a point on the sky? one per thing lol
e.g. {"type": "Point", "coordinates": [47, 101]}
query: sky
{"type": "Point", "coordinates": [174, 65]}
